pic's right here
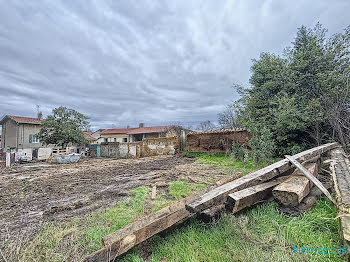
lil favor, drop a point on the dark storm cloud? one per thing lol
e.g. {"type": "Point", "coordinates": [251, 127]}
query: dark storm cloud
{"type": "Point", "coordinates": [158, 62]}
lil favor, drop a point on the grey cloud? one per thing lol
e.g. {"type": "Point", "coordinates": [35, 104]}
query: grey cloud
{"type": "Point", "coordinates": [158, 62]}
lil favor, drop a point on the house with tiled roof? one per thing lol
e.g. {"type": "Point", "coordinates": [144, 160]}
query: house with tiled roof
{"type": "Point", "coordinates": [19, 132]}
{"type": "Point", "coordinates": [135, 134]}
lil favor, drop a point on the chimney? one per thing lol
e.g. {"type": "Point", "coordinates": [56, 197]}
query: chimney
{"type": "Point", "coordinates": [141, 125]}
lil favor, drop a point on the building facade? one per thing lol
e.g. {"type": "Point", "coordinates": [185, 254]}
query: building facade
{"type": "Point", "coordinates": [20, 132]}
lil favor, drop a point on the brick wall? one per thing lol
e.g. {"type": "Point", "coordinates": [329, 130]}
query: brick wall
{"type": "Point", "coordinates": [215, 141]}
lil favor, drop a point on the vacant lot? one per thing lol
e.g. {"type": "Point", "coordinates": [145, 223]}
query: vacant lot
{"type": "Point", "coordinates": [37, 195]}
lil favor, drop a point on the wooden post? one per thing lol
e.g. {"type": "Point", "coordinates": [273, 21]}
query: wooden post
{"type": "Point", "coordinates": [8, 159]}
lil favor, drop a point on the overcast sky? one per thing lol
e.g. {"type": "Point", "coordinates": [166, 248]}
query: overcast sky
{"type": "Point", "coordinates": [158, 62]}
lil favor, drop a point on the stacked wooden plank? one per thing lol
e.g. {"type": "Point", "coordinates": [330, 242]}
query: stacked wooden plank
{"type": "Point", "coordinates": [292, 191]}
{"type": "Point", "coordinates": [340, 166]}
{"type": "Point", "coordinates": [234, 196]}
{"type": "Point", "coordinates": [219, 195]}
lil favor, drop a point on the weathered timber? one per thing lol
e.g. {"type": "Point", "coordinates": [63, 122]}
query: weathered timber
{"type": "Point", "coordinates": [340, 167]}
{"type": "Point", "coordinates": [251, 195]}
{"type": "Point", "coordinates": [219, 195]}
{"type": "Point", "coordinates": [124, 239]}
{"type": "Point", "coordinates": [311, 178]}
{"type": "Point", "coordinates": [226, 180]}
{"type": "Point", "coordinates": [154, 192]}
{"type": "Point", "coordinates": [211, 214]}
{"type": "Point", "coordinates": [292, 191]}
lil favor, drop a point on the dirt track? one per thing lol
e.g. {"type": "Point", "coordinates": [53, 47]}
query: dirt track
{"type": "Point", "coordinates": [30, 196]}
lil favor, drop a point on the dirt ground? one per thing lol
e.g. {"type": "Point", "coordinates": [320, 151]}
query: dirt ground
{"type": "Point", "coordinates": [32, 194]}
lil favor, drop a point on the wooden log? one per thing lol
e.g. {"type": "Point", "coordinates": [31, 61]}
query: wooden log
{"type": "Point", "coordinates": [226, 180]}
{"type": "Point", "coordinates": [219, 195]}
{"type": "Point", "coordinates": [340, 167]}
{"type": "Point", "coordinates": [211, 214]}
{"type": "Point", "coordinates": [292, 191]}
{"type": "Point", "coordinates": [251, 195]}
{"type": "Point", "coordinates": [124, 239]}
{"type": "Point", "coordinates": [311, 178]}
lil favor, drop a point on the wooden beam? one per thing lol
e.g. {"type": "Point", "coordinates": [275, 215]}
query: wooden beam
{"type": "Point", "coordinates": [311, 178]}
{"type": "Point", "coordinates": [154, 192]}
{"type": "Point", "coordinates": [251, 195]}
{"type": "Point", "coordinates": [211, 214]}
{"type": "Point", "coordinates": [219, 195]}
{"type": "Point", "coordinates": [340, 167]}
{"type": "Point", "coordinates": [124, 239]}
{"type": "Point", "coordinates": [292, 191]}
{"type": "Point", "coordinates": [226, 180]}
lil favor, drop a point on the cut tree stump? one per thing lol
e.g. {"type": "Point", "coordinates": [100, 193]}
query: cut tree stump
{"type": "Point", "coordinates": [292, 191]}
{"type": "Point", "coordinates": [219, 195]}
{"type": "Point", "coordinates": [251, 195]}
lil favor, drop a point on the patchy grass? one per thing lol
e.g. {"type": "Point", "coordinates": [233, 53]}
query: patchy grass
{"type": "Point", "coordinates": [259, 234]}
{"type": "Point", "coordinates": [79, 237]}
{"type": "Point", "coordinates": [160, 202]}
{"type": "Point", "coordinates": [225, 161]}
{"type": "Point", "coordinates": [181, 189]}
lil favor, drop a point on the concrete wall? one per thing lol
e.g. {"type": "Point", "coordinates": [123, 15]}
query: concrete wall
{"type": "Point", "coordinates": [160, 146]}
{"type": "Point", "coordinates": [8, 137]}
{"type": "Point", "coordinates": [147, 147]}
{"type": "Point", "coordinates": [215, 141]}
{"type": "Point", "coordinates": [44, 153]}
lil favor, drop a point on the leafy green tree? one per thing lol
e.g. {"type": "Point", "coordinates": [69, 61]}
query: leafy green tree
{"type": "Point", "coordinates": [63, 127]}
{"type": "Point", "coordinates": [302, 98]}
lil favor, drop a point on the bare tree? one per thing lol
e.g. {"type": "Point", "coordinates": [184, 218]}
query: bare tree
{"type": "Point", "coordinates": [228, 118]}
{"type": "Point", "coordinates": [206, 125]}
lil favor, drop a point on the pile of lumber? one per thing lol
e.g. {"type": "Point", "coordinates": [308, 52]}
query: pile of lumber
{"type": "Point", "coordinates": [340, 167]}
{"type": "Point", "coordinates": [289, 181]}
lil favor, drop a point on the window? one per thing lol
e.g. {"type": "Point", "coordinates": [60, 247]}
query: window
{"type": "Point", "coordinates": [106, 139]}
{"type": "Point", "coordinates": [33, 139]}
{"type": "Point", "coordinates": [115, 140]}
{"type": "Point", "coordinates": [125, 139]}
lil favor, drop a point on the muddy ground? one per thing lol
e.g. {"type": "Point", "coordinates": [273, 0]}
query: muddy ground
{"type": "Point", "coordinates": [33, 194]}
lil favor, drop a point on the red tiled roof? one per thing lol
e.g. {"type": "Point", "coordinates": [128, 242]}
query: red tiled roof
{"type": "Point", "coordinates": [22, 120]}
{"type": "Point", "coordinates": [87, 135]}
{"type": "Point", "coordinates": [151, 129]}
{"type": "Point", "coordinates": [117, 131]}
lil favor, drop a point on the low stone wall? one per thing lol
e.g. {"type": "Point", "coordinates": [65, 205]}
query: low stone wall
{"type": "Point", "coordinates": [147, 147]}
{"type": "Point", "coordinates": [160, 146]}
{"type": "Point", "coordinates": [216, 141]}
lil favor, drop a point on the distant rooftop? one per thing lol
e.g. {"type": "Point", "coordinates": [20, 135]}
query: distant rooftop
{"type": "Point", "coordinates": [135, 131]}
{"type": "Point", "coordinates": [21, 120]}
